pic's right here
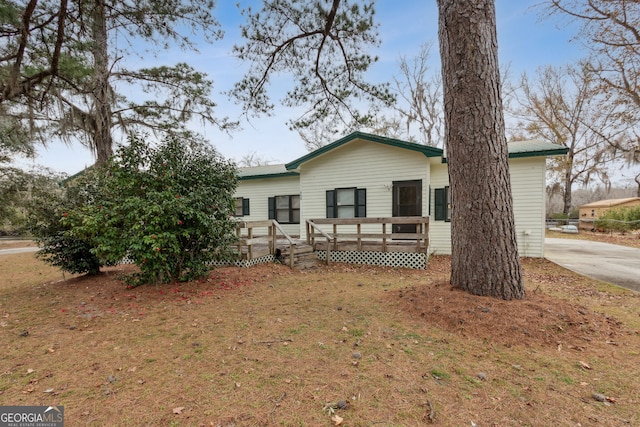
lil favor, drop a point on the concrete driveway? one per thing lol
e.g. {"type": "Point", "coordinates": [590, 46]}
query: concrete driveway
{"type": "Point", "coordinates": [615, 264]}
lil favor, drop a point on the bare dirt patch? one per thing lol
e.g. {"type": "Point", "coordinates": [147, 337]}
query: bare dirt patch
{"type": "Point", "coordinates": [538, 320]}
{"type": "Point", "coordinates": [272, 346]}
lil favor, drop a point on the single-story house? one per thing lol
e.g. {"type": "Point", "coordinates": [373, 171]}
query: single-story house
{"type": "Point", "coordinates": [590, 212]}
{"type": "Point", "coordinates": [364, 175]}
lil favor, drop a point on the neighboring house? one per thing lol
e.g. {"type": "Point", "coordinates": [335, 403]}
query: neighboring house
{"type": "Point", "coordinates": [590, 212]}
{"type": "Point", "coordinates": [364, 175]}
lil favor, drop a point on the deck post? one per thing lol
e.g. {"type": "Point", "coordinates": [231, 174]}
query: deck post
{"type": "Point", "coordinates": [335, 233]}
{"type": "Point", "coordinates": [384, 237]}
{"type": "Point", "coordinates": [239, 236]}
{"type": "Point", "coordinates": [292, 255]}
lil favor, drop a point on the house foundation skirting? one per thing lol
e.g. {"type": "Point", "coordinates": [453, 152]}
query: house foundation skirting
{"type": "Point", "coordinates": [384, 259]}
{"type": "Point", "coordinates": [245, 263]}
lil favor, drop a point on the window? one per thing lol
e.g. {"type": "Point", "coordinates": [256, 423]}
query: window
{"type": "Point", "coordinates": [242, 206]}
{"type": "Point", "coordinates": [442, 204]}
{"type": "Point", "coordinates": [347, 203]}
{"type": "Point", "coordinates": [285, 209]}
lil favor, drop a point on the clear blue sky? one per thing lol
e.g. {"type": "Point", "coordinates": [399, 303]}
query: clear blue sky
{"type": "Point", "coordinates": [525, 41]}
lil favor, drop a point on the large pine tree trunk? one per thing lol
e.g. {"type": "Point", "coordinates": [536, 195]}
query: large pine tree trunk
{"type": "Point", "coordinates": [102, 94]}
{"type": "Point", "coordinates": [484, 259]}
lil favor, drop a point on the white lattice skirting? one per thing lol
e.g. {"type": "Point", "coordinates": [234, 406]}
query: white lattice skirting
{"type": "Point", "coordinates": [265, 259]}
{"type": "Point", "coordinates": [385, 259]}
{"type": "Point", "coordinates": [240, 263]}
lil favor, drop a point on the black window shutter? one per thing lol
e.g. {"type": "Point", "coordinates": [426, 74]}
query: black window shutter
{"type": "Point", "coordinates": [331, 203]}
{"type": "Point", "coordinates": [272, 208]}
{"type": "Point", "coordinates": [245, 206]}
{"type": "Point", "coordinates": [440, 204]}
{"type": "Point", "coordinates": [361, 202]}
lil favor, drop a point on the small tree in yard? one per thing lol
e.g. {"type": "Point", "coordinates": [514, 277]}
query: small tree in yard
{"type": "Point", "coordinates": [168, 208]}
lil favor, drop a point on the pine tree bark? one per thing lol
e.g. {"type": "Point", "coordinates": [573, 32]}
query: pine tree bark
{"type": "Point", "coordinates": [102, 93]}
{"type": "Point", "coordinates": [484, 259]}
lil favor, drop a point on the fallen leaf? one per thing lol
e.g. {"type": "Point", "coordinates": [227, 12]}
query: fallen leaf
{"type": "Point", "coordinates": [337, 420]}
{"type": "Point", "coordinates": [178, 410]}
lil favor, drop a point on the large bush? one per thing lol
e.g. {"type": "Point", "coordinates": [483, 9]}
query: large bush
{"type": "Point", "coordinates": [166, 207]}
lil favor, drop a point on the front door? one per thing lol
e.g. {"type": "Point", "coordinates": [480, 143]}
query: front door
{"type": "Point", "coordinates": [407, 201]}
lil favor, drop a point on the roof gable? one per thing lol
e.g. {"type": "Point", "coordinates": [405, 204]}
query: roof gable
{"type": "Point", "coordinates": [517, 149]}
{"type": "Point", "coordinates": [424, 149]}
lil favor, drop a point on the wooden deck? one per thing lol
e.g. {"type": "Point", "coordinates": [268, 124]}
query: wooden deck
{"type": "Point", "coordinates": [366, 235]}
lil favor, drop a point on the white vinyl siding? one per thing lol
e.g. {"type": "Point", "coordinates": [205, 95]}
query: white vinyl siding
{"type": "Point", "coordinates": [364, 165]}
{"type": "Point", "coordinates": [439, 231]}
{"type": "Point", "coordinates": [528, 184]}
{"type": "Point", "coordinates": [528, 190]}
{"type": "Point", "coordinates": [258, 192]}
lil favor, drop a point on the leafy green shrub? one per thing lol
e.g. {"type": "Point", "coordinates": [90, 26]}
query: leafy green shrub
{"type": "Point", "coordinates": [168, 208]}
{"type": "Point", "coordinates": [48, 222]}
{"type": "Point", "coordinates": [621, 219]}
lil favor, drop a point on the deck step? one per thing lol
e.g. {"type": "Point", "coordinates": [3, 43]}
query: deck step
{"type": "Point", "coordinates": [304, 256]}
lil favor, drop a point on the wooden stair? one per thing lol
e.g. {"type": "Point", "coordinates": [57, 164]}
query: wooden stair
{"type": "Point", "coordinates": [304, 257]}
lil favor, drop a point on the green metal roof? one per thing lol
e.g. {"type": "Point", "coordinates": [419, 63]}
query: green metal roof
{"type": "Point", "coordinates": [535, 147]}
{"type": "Point", "coordinates": [266, 171]}
{"type": "Point", "coordinates": [424, 149]}
{"type": "Point", "coordinates": [517, 149]}
{"type": "Point", "coordinates": [532, 148]}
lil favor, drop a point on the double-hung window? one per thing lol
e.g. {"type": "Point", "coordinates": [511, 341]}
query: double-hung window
{"type": "Point", "coordinates": [285, 209]}
{"type": "Point", "coordinates": [346, 203]}
{"type": "Point", "coordinates": [242, 206]}
{"type": "Point", "coordinates": [442, 206]}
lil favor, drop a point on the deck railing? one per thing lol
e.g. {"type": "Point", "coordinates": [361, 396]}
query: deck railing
{"type": "Point", "coordinates": [367, 233]}
{"type": "Point", "coordinates": [252, 238]}
{"type": "Point", "coordinates": [312, 231]}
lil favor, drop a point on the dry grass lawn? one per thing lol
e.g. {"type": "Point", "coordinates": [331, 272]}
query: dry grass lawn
{"type": "Point", "coordinates": [345, 345]}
